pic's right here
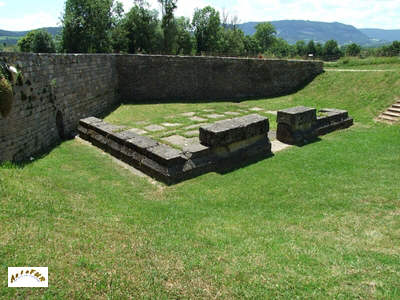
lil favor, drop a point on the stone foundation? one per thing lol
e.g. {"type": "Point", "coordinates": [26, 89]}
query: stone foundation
{"type": "Point", "coordinates": [230, 143]}
{"type": "Point", "coordinates": [334, 119]}
{"type": "Point", "coordinates": [300, 125]}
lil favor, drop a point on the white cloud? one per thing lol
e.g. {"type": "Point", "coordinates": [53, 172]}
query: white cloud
{"type": "Point", "coordinates": [29, 22]}
{"type": "Point", "coordinates": [2, 4]}
{"type": "Point", "coordinates": [185, 7]}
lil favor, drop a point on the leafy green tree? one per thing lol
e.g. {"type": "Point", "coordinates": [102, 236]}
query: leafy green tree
{"type": "Point", "coordinates": [301, 48]}
{"type": "Point", "coordinates": [168, 24]}
{"type": "Point", "coordinates": [331, 50]}
{"type": "Point", "coordinates": [231, 42]}
{"type": "Point", "coordinates": [206, 24]}
{"type": "Point", "coordinates": [43, 42]}
{"type": "Point", "coordinates": [251, 45]}
{"type": "Point", "coordinates": [184, 42]}
{"type": "Point", "coordinates": [24, 44]}
{"type": "Point", "coordinates": [353, 50]}
{"type": "Point", "coordinates": [143, 30]}
{"type": "Point", "coordinates": [281, 48]}
{"type": "Point", "coordinates": [394, 48]}
{"type": "Point", "coordinates": [87, 25]}
{"type": "Point", "coordinates": [319, 50]}
{"type": "Point", "coordinates": [265, 34]}
{"type": "Point", "coordinates": [119, 35]}
{"type": "Point", "coordinates": [311, 49]}
{"type": "Point", "coordinates": [37, 41]}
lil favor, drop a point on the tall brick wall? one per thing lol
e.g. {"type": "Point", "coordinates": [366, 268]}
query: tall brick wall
{"type": "Point", "coordinates": [159, 77]}
{"type": "Point", "coordinates": [73, 87]}
{"type": "Point", "coordinates": [77, 86]}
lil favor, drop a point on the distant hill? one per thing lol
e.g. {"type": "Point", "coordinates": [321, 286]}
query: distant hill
{"type": "Point", "coordinates": [295, 30]}
{"type": "Point", "coordinates": [12, 37]}
{"type": "Point", "coordinates": [290, 30]}
{"type": "Point", "coordinates": [382, 34]}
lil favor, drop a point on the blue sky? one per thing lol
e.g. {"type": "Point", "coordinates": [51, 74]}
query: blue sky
{"type": "Point", "coordinates": [28, 14]}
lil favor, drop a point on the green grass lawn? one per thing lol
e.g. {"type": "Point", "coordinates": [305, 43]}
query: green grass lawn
{"type": "Point", "coordinates": [376, 63]}
{"type": "Point", "coordinates": [320, 221]}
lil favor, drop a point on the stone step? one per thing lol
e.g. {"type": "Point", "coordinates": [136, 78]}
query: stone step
{"type": "Point", "coordinates": [394, 109]}
{"type": "Point", "coordinates": [387, 118]}
{"type": "Point", "coordinates": [391, 114]}
{"type": "Point", "coordinates": [396, 105]}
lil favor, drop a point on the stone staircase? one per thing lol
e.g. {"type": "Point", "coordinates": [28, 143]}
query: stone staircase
{"type": "Point", "coordinates": [392, 114]}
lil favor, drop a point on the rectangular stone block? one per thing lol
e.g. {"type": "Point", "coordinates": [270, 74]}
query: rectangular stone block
{"type": "Point", "coordinates": [141, 143]}
{"type": "Point", "coordinates": [105, 128]}
{"type": "Point", "coordinates": [90, 120]}
{"type": "Point", "coordinates": [296, 125]}
{"type": "Point", "coordinates": [331, 115]}
{"type": "Point", "coordinates": [226, 132]}
{"type": "Point", "coordinates": [123, 136]}
{"type": "Point", "coordinates": [166, 155]}
{"type": "Point", "coordinates": [298, 118]}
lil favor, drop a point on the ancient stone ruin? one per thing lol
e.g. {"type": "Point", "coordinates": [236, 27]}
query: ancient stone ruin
{"type": "Point", "coordinates": [57, 90]}
{"type": "Point", "coordinates": [300, 125]}
{"type": "Point", "coordinates": [222, 144]}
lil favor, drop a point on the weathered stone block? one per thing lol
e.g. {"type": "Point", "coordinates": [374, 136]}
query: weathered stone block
{"type": "Point", "coordinates": [166, 155]}
{"type": "Point", "coordinates": [296, 125]}
{"type": "Point", "coordinates": [226, 132]}
{"type": "Point", "coordinates": [333, 119]}
{"type": "Point", "coordinates": [196, 150]}
{"type": "Point", "coordinates": [298, 118]}
{"type": "Point", "coordinates": [141, 143]}
{"type": "Point", "coordinates": [123, 136]}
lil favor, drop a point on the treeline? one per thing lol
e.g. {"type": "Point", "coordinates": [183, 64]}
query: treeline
{"type": "Point", "coordinates": [102, 26]}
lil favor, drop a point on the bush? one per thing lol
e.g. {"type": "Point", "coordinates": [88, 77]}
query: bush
{"type": "Point", "coordinates": [37, 41]}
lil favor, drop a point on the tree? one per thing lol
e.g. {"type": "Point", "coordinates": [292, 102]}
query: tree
{"type": "Point", "coordinates": [319, 50]}
{"type": "Point", "coordinates": [24, 44]}
{"type": "Point", "coordinates": [231, 42]}
{"type": "Point", "coordinates": [280, 48]}
{"type": "Point", "coordinates": [168, 24]}
{"type": "Point", "coordinates": [311, 49]}
{"type": "Point", "coordinates": [206, 24]}
{"type": "Point", "coordinates": [353, 50]}
{"type": "Point", "coordinates": [265, 34]}
{"type": "Point", "coordinates": [331, 50]}
{"type": "Point", "coordinates": [301, 48]}
{"type": "Point", "coordinates": [183, 36]}
{"type": "Point", "coordinates": [87, 25]}
{"type": "Point", "coordinates": [143, 32]}
{"type": "Point", "coordinates": [37, 41]}
{"type": "Point", "coordinates": [119, 35]}
{"type": "Point", "coordinates": [251, 45]}
{"type": "Point", "coordinates": [394, 48]}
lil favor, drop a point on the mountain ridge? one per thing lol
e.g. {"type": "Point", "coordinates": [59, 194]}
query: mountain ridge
{"type": "Point", "coordinates": [289, 30]}
{"type": "Point", "coordinates": [295, 30]}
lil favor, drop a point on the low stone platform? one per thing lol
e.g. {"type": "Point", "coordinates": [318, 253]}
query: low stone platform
{"type": "Point", "coordinates": [229, 142]}
{"type": "Point", "coordinates": [300, 125]}
{"type": "Point", "coordinates": [333, 119]}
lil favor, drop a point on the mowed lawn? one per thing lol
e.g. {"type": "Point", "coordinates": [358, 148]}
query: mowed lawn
{"type": "Point", "coordinates": [313, 222]}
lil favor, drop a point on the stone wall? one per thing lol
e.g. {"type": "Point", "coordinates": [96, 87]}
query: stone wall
{"type": "Point", "coordinates": [71, 87]}
{"type": "Point", "coordinates": [202, 78]}
{"type": "Point", "coordinates": [60, 89]}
